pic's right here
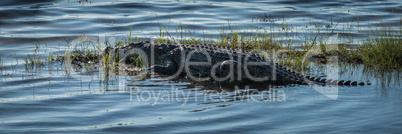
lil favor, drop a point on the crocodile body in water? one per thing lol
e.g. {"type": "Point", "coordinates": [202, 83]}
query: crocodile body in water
{"type": "Point", "coordinates": [202, 62]}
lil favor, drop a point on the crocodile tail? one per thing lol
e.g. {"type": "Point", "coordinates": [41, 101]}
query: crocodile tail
{"type": "Point", "coordinates": [303, 79]}
{"type": "Point", "coordinates": [335, 82]}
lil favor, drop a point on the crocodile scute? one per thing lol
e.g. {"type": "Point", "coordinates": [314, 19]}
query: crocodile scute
{"type": "Point", "coordinates": [210, 61]}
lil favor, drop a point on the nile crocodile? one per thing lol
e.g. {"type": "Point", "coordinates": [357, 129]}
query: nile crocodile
{"type": "Point", "coordinates": [202, 62]}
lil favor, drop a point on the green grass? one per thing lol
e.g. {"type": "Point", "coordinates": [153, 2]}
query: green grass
{"type": "Point", "coordinates": [381, 52]}
{"type": "Point", "coordinates": [33, 62]}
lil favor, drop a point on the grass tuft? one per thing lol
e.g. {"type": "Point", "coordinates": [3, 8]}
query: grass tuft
{"type": "Point", "coordinates": [382, 52]}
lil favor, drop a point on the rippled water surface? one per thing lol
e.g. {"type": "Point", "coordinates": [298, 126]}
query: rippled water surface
{"type": "Point", "coordinates": [50, 99]}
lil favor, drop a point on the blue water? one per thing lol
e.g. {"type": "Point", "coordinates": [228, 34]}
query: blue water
{"type": "Point", "coordinates": [48, 99]}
